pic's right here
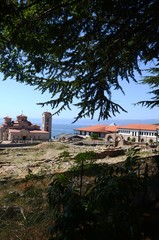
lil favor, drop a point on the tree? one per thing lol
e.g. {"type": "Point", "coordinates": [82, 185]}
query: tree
{"type": "Point", "coordinates": [78, 49]}
{"type": "Point", "coordinates": [153, 81]}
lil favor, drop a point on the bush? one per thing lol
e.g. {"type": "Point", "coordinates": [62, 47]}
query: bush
{"type": "Point", "coordinates": [94, 136]}
{"type": "Point", "coordinates": [133, 140]}
{"type": "Point", "coordinates": [104, 210]}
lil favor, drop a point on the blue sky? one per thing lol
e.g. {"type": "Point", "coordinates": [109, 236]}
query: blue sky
{"type": "Point", "coordinates": [17, 98]}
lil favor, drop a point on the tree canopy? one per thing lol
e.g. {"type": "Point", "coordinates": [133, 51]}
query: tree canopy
{"type": "Point", "coordinates": [78, 49]}
{"type": "Point", "coordinates": [153, 81]}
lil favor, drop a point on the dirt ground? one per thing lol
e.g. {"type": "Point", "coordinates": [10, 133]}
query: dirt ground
{"type": "Point", "coordinates": [17, 163]}
{"type": "Point", "coordinates": [25, 174]}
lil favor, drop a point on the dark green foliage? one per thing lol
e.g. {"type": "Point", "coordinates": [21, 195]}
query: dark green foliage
{"type": "Point", "coordinates": [133, 140]}
{"type": "Point", "coordinates": [84, 159]}
{"type": "Point", "coordinates": [153, 82]}
{"type": "Point", "coordinates": [78, 49]}
{"type": "Point", "coordinates": [106, 209]}
{"type": "Point", "coordinates": [65, 155]}
{"type": "Point", "coordinates": [87, 157]}
{"type": "Point", "coordinates": [68, 210]}
{"type": "Point", "coordinates": [94, 136]}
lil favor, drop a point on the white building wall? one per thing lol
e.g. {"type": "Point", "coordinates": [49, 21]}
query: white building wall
{"type": "Point", "coordinates": [139, 135]}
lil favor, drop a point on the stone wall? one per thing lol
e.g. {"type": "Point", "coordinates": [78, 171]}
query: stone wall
{"type": "Point", "coordinates": [110, 153]}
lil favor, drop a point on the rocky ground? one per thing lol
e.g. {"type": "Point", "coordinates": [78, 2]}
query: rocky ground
{"type": "Point", "coordinates": [25, 174]}
{"type": "Point", "coordinates": [17, 163]}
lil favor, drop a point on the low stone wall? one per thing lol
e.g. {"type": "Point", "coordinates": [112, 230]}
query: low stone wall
{"type": "Point", "coordinates": [17, 144]}
{"type": "Point", "coordinates": [111, 153]}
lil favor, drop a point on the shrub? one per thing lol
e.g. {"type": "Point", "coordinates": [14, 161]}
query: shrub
{"type": "Point", "coordinates": [133, 140]}
{"type": "Point", "coordinates": [151, 141]}
{"type": "Point", "coordinates": [94, 136]}
{"type": "Point", "coordinates": [104, 210]}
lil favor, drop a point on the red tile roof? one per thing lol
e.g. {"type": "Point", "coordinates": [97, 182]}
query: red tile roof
{"type": "Point", "coordinates": [109, 128]}
{"type": "Point", "coordinates": [14, 130]}
{"type": "Point", "coordinates": [98, 128]}
{"type": "Point", "coordinates": [113, 128]}
{"type": "Point", "coordinates": [148, 127]}
{"type": "Point", "coordinates": [38, 131]}
{"type": "Point", "coordinates": [7, 117]}
{"type": "Point", "coordinates": [31, 131]}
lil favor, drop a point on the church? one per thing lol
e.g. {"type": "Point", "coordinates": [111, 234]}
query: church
{"type": "Point", "coordinates": [21, 129]}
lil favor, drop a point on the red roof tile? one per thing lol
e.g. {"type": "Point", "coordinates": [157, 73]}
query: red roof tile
{"type": "Point", "coordinates": [38, 131]}
{"type": "Point", "coordinates": [111, 128]}
{"type": "Point", "coordinates": [98, 128]}
{"type": "Point", "coordinates": [148, 127]}
{"type": "Point", "coordinates": [14, 130]}
{"type": "Point", "coordinates": [108, 128]}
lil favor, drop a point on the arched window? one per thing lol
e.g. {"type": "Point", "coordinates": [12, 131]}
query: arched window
{"type": "Point", "coordinates": [110, 139]}
{"type": "Point", "coordinates": [151, 141]}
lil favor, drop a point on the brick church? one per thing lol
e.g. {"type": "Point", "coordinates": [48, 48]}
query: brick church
{"type": "Point", "coordinates": [22, 129]}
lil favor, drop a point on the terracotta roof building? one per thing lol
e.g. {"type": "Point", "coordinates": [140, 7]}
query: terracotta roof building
{"type": "Point", "coordinates": [140, 132]}
{"type": "Point", "coordinates": [131, 132]}
{"type": "Point", "coordinates": [22, 129]}
{"type": "Point", "coordinates": [100, 130]}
